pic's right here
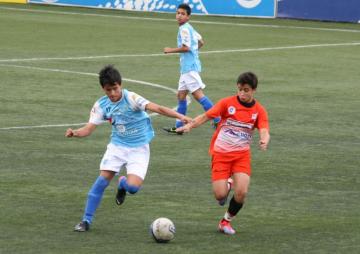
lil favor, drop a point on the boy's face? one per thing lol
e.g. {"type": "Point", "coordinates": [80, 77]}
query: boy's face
{"type": "Point", "coordinates": [113, 91]}
{"type": "Point", "coordinates": [245, 93]}
{"type": "Point", "coordinates": [181, 16]}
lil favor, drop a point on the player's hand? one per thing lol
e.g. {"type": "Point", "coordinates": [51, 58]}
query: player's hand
{"type": "Point", "coordinates": [167, 50]}
{"type": "Point", "coordinates": [263, 145]}
{"type": "Point", "coordinates": [185, 128]}
{"type": "Point", "coordinates": [69, 133]}
{"type": "Point", "coordinates": [186, 119]}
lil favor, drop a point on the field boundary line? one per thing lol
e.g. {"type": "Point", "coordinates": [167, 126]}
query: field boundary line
{"type": "Point", "coordinates": [34, 59]}
{"type": "Point", "coordinates": [173, 20]}
{"type": "Point", "coordinates": [87, 74]}
{"type": "Point", "coordinates": [284, 47]}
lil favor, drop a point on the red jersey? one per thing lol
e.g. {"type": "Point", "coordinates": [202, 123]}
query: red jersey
{"type": "Point", "coordinates": [238, 121]}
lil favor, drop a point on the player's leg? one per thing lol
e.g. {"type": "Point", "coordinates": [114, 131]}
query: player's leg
{"type": "Point", "coordinates": [221, 189]}
{"type": "Point", "coordinates": [93, 199]}
{"type": "Point", "coordinates": [136, 166]}
{"type": "Point", "coordinates": [241, 185]}
{"type": "Point", "coordinates": [221, 177]}
{"type": "Point", "coordinates": [221, 170]}
{"type": "Point", "coordinates": [229, 184]}
{"type": "Point", "coordinates": [109, 166]}
{"type": "Point", "coordinates": [205, 102]}
{"type": "Point", "coordinates": [181, 108]}
{"type": "Point", "coordinates": [196, 86]}
{"type": "Point", "coordinates": [127, 184]}
{"type": "Point", "coordinates": [241, 175]}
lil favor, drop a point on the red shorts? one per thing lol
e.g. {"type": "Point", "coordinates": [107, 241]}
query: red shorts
{"type": "Point", "coordinates": [224, 166]}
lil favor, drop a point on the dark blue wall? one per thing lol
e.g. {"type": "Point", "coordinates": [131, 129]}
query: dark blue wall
{"type": "Point", "coordinates": [331, 10]}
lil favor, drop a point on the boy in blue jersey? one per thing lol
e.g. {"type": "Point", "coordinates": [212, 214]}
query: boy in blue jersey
{"type": "Point", "coordinates": [129, 145]}
{"type": "Point", "coordinates": [188, 44]}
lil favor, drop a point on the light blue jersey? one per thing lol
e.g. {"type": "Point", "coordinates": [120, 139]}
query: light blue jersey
{"type": "Point", "coordinates": [131, 125]}
{"type": "Point", "coordinates": [189, 61]}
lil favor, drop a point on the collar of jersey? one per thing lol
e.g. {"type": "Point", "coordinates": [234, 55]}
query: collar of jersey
{"type": "Point", "coordinates": [246, 104]}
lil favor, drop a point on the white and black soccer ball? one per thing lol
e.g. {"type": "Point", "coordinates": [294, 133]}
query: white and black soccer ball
{"type": "Point", "coordinates": [163, 230]}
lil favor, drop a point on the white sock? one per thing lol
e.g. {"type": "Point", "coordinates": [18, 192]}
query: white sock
{"type": "Point", "coordinates": [228, 216]}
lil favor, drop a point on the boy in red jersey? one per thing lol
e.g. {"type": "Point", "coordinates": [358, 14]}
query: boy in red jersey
{"type": "Point", "coordinates": [230, 145]}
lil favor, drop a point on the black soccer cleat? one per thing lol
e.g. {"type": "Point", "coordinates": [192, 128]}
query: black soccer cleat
{"type": "Point", "coordinates": [121, 193]}
{"type": "Point", "coordinates": [120, 196]}
{"type": "Point", "coordinates": [214, 125]}
{"type": "Point", "coordinates": [172, 130]}
{"type": "Point", "coordinates": [83, 226]}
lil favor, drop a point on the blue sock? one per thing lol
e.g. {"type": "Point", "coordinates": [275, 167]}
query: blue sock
{"type": "Point", "coordinates": [182, 108]}
{"type": "Point", "coordinates": [94, 197]}
{"type": "Point", "coordinates": [132, 189]}
{"type": "Point", "coordinates": [207, 104]}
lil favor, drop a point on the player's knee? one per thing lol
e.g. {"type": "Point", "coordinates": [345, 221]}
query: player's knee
{"type": "Point", "coordinates": [220, 195]}
{"type": "Point", "coordinates": [132, 189]}
{"type": "Point", "coordinates": [240, 195]}
{"type": "Point", "coordinates": [181, 96]}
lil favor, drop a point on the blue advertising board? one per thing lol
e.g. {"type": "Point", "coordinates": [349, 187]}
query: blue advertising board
{"type": "Point", "coordinates": [248, 8]}
{"type": "Point", "coordinates": [329, 10]}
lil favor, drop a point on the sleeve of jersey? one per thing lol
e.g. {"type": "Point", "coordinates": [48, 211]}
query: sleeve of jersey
{"type": "Point", "coordinates": [96, 114]}
{"type": "Point", "coordinates": [262, 120]}
{"type": "Point", "coordinates": [216, 110]}
{"type": "Point", "coordinates": [185, 37]}
{"type": "Point", "coordinates": [137, 102]}
{"type": "Point", "coordinates": [198, 36]}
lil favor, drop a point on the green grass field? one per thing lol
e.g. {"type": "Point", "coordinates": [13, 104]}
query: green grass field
{"type": "Point", "coordinates": [304, 194]}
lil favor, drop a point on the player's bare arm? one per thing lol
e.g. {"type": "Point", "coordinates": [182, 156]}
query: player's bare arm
{"type": "Point", "coordinates": [199, 120]}
{"type": "Point", "coordinates": [182, 49]}
{"type": "Point", "coordinates": [201, 43]}
{"type": "Point", "coordinates": [264, 139]}
{"type": "Point", "coordinates": [81, 132]}
{"type": "Point", "coordinates": [167, 112]}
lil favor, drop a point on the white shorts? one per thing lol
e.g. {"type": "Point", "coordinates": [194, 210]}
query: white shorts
{"type": "Point", "coordinates": [135, 160]}
{"type": "Point", "coordinates": [190, 81]}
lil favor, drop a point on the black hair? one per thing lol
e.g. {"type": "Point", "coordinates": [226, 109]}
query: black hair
{"type": "Point", "coordinates": [248, 78]}
{"type": "Point", "coordinates": [109, 75]}
{"type": "Point", "coordinates": [186, 7]}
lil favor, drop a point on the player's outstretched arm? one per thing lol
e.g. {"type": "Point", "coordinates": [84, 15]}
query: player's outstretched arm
{"type": "Point", "coordinates": [264, 138]}
{"type": "Point", "coordinates": [199, 120]}
{"type": "Point", "coordinates": [81, 132]}
{"type": "Point", "coordinates": [162, 110]}
{"type": "Point", "coordinates": [182, 49]}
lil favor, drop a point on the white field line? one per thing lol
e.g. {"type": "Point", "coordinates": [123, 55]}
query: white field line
{"type": "Point", "coordinates": [89, 74]}
{"type": "Point", "coordinates": [80, 73]}
{"type": "Point", "coordinates": [284, 47]}
{"type": "Point", "coordinates": [78, 58]}
{"type": "Point", "coordinates": [173, 20]}
{"type": "Point", "coordinates": [41, 126]}
{"type": "Point", "coordinates": [345, 44]}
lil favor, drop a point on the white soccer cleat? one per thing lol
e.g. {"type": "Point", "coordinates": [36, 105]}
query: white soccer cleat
{"type": "Point", "coordinates": [226, 228]}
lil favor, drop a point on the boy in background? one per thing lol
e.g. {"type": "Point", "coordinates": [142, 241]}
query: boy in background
{"type": "Point", "coordinates": [189, 41]}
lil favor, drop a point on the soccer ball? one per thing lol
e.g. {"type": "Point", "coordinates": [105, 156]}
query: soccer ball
{"type": "Point", "coordinates": [162, 230]}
